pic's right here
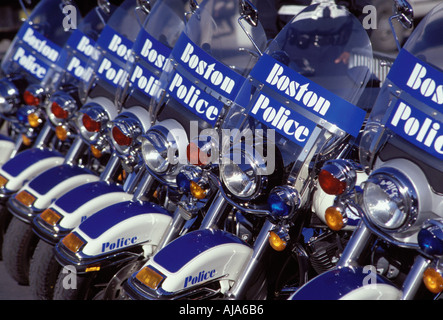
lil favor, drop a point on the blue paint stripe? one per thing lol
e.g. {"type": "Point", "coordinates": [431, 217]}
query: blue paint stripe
{"type": "Point", "coordinates": [335, 284]}
{"type": "Point", "coordinates": [75, 198]}
{"type": "Point", "coordinates": [26, 158]}
{"type": "Point", "coordinates": [182, 250]}
{"type": "Point", "coordinates": [108, 217]}
{"type": "Point", "coordinates": [50, 178]}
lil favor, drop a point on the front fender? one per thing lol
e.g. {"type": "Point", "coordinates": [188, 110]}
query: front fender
{"type": "Point", "coordinates": [77, 205]}
{"type": "Point", "coordinates": [27, 165]}
{"type": "Point", "coordinates": [46, 187]}
{"type": "Point", "coordinates": [111, 233]}
{"type": "Point", "coordinates": [53, 183]}
{"type": "Point", "coordinates": [199, 257]}
{"type": "Point", "coordinates": [80, 203]}
{"type": "Point", "coordinates": [348, 283]}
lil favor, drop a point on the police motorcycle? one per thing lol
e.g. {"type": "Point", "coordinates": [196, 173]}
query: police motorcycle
{"type": "Point", "coordinates": [35, 60]}
{"type": "Point", "coordinates": [398, 242]}
{"type": "Point", "coordinates": [120, 237]}
{"type": "Point", "coordinates": [75, 206]}
{"type": "Point", "coordinates": [287, 117]}
{"type": "Point", "coordinates": [28, 69]}
{"type": "Point", "coordinates": [78, 167]}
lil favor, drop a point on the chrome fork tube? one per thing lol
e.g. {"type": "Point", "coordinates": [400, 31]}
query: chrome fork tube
{"type": "Point", "coordinates": [43, 136]}
{"type": "Point", "coordinates": [18, 143]}
{"type": "Point", "coordinates": [74, 151]}
{"type": "Point", "coordinates": [144, 185]}
{"type": "Point", "coordinates": [216, 208]}
{"type": "Point", "coordinates": [110, 168]}
{"type": "Point", "coordinates": [133, 179]}
{"type": "Point", "coordinates": [173, 229]}
{"type": "Point", "coordinates": [356, 245]}
{"type": "Point", "coordinates": [248, 273]}
{"type": "Point", "coordinates": [414, 279]}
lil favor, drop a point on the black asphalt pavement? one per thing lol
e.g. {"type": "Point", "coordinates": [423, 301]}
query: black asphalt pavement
{"type": "Point", "coordinates": [9, 289]}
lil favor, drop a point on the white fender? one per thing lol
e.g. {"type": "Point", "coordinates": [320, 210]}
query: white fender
{"type": "Point", "coordinates": [73, 219]}
{"type": "Point", "coordinates": [137, 229]}
{"type": "Point", "coordinates": [17, 182]}
{"type": "Point", "coordinates": [378, 291]}
{"type": "Point", "coordinates": [226, 260]}
{"type": "Point", "coordinates": [44, 200]}
{"type": "Point", "coordinates": [207, 260]}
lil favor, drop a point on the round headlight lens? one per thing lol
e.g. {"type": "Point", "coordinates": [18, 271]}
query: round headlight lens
{"type": "Point", "coordinates": [241, 181]}
{"type": "Point", "coordinates": [240, 174]}
{"type": "Point", "coordinates": [155, 151]}
{"type": "Point", "coordinates": [390, 199]}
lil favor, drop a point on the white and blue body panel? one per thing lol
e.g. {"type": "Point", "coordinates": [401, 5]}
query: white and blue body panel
{"type": "Point", "coordinates": [27, 165]}
{"type": "Point", "coordinates": [348, 283]}
{"type": "Point", "coordinates": [199, 257]}
{"type": "Point", "coordinates": [112, 232]}
{"type": "Point", "coordinates": [77, 205]}
{"type": "Point", "coordinates": [48, 186]}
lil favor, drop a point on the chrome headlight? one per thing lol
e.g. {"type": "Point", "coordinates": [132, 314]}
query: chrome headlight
{"type": "Point", "coordinates": [91, 121]}
{"type": "Point", "coordinates": [164, 146]}
{"type": "Point", "coordinates": [242, 173]}
{"type": "Point", "coordinates": [60, 108]}
{"type": "Point", "coordinates": [9, 96]}
{"type": "Point", "coordinates": [390, 200]}
{"type": "Point", "coordinates": [124, 132]}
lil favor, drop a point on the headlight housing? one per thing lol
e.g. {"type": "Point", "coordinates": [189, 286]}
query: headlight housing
{"type": "Point", "coordinates": [164, 147]}
{"type": "Point", "coordinates": [91, 121]}
{"type": "Point", "coordinates": [60, 108]}
{"type": "Point", "coordinates": [34, 95]}
{"type": "Point", "coordinates": [125, 130]}
{"type": "Point", "coordinates": [242, 173]}
{"type": "Point", "coordinates": [390, 200]}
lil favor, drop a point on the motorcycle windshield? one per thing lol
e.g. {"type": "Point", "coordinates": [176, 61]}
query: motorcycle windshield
{"type": "Point", "coordinates": [79, 49]}
{"type": "Point", "coordinates": [152, 47]}
{"type": "Point", "coordinates": [208, 64]}
{"type": "Point", "coordinates": [300, 99]}
{"type": "Point", "coordinates": [37, 47]}
{"type": "Point", "coordinates": [113, 48]}
{"type": "Point", "coordinates": [406, 120]}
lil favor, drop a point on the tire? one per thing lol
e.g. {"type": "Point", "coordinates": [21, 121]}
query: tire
{"type": "Point", "coordinates": [18, 246]}
{"type": "Point", "coordinates": [43, 271]}
{"type": "Point", "coordinates": [84, 288]}
{"type": "Point", "coordinates": [5, 219]}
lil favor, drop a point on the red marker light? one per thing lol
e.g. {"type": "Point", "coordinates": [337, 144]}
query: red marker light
{"type": "Point", "coordinates": [89, 124]}
{"type": "Point", "coordinates": [58, 111]}
{"type": "Point", "coordinates": [120, 137]}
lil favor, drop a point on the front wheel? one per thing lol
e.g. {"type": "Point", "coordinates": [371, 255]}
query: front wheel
{"type": "Point", "coordinates": [18, 246]}
{"type": "Point", "coordinates": [70, 286]}
{"type": "Point", "coordinates": [44, 270]}
{"type": "Point", "coordinates": [5, 219]}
